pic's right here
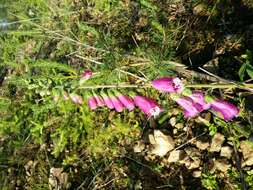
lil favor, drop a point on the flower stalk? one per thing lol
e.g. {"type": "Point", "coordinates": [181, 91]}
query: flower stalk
{"type": "Point", "coordinates": [220, 85]}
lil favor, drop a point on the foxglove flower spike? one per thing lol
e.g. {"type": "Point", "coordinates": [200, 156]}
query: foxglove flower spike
{"type": "Point", "coordinates": [125, 100]}
{"type": "Point", "coordinates": [148, 106]}
{"type": "Point", "coordinates": [168, 84]}
{"type": "Point", "coordinates": [107, 100]}
{"type": "Point", "coordinates": [227, 110]}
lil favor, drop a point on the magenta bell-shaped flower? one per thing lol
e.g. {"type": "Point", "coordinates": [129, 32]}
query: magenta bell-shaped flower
{"type": "Point", "coordinates": [92, 103]}
{"type": "Point", "coordinates": [148, 106]}
{"type": "Point", "coordinates": [200, 103]}
{"type": "Point", "coordinates": [99, 100]}
{"type": "Point", "coordinates": [125, 100]}
{"type": "Point", "coordinates": [168, 84]}
{"type": "Point", "coordinates": [117, 104]}
{"type": "Point", "coordinates": [86, 74]}
{"type": "Point", "coordinates": [190, 110]}
{"type": "Point", "coordinates": [119, 107]}
{"type": "Point", "coordinates": [107, 100]}
{"type": "Point", "coordinates": [227, 110]}
{"type": "Point", "coordinates": [76, 99]}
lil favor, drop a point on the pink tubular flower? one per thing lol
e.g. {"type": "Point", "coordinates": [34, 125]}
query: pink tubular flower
{"type": "Point", "coordinates": [148, 106]}
{"type": "Point", "coordinates": [168, 84]}
{"type": "Point", "coordinates": [226, 109]}
{"type": "Point", "coordinates": [86, 74]}
{"type": "Point", "coordinates": [107, 100]}
{"type": "Point", "coordinates": [125, 100]}
{"type": "Point", "coordinates": [117, 104]}
{"type": "Point", "coordinates": [76, 99]}
{"type": "Point", "coordinates": [99, 100]}
{"type": "Point", "coordinates": [92, 102]}
{"type": "Point", "coordinates": [190, 109]}
{"type": "Point", "coordinates": [199, 101]}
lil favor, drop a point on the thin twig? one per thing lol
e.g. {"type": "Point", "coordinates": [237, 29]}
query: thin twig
{"type": "Point", "coordinates": [164, 186]}
{"type": "Point", "coordinates": [131, 74]}
{"type": "Point", "coordinates": [182, 145]}
{"type": "Point", "coordinates": [144, 165]}
{"type": "Point", "coordinates": [213, 75]}
{"type": "Point", "coordinates": [101, 186]}
{"type": "Point", "coordinates": [68, 38]}
{"type": "Point", "coordinates": [88, 59]}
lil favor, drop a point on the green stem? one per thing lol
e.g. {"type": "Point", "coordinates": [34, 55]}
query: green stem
{"type": "Point", "coordinates": [244, 86]}
{"type": "Point", "coordinates": [147, 85]}
{"type": "Point", "coordinates": [115, 86]}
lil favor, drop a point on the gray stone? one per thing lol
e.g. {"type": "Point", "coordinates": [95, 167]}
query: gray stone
{"type": "Point", "coordinates": [217, 142]}
{"type": "Point", "coordinates": [162, 143]}
{"type": "Point", "coordinates": [173, 121]}
{"type": "Point", "coordinates": [139, 146]}
{"type": "Point", "coordinates": [196, 173]}
{"type": "Point", "coordinates": [202, 145]}
{"type": "Point", "coordinates": [247, 152]}
{"type": "Point", "coordinates": [221, 165]}
{"type": "Point", "coordinates": [226, 151]}
{"type": "Point", "coordinates": [175, 156]}
{"type": "Point", "coordinates": [179, 125]}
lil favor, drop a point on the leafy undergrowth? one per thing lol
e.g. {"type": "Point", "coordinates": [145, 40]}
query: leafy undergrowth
{"type": "Point", "coordinates": [47, 141]}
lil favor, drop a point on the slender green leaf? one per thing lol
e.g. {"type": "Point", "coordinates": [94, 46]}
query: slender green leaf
{"type": "Point", "coordinates": [250, 72]}
{"type": "Point", "coordinates": [242, 71]}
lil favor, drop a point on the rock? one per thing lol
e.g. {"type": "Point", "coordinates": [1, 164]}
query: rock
{"type": "Point", "coordinates": [194, 164]}
{"type": "Point", "coordinates": [186, 161]}
{"type": "Point", "coordinates": [139, 146]}
{"type": "Point", "coordinates": [217, 141]}
{"type": "Point", "coordinates": [196, 173]}
{"type": "Point", "coordinates": [58, 179]}
{"type": "Point", "coordinates": [150, 157]}
{"type": "Point", "coordinates": [192, 152]}
{"type": "Point", "coordinates": [249, 161]}
{"type": "Point", "coordinates": [226, 151]}
{"type": "Point", "coordinates": [175, 156]}
{"type": "Point", "coordinates": [173, 121]}
{"type": "Point", "coordinates": [221, 165]}
{"type": "Point", "coordinates": [202, 145]}
{"type": "Point", "coordinates": [190, 163]}
{"type": "Point", "coordinates": [247, 152]}
{"type": "Point", "coordinates": [151, 139]}
{"type": "Point", "coordinates": [192, 160]}
{"type": "Point", "coordinates": [179, 125]}
{"type": "Point", "coordinates": [161, 143]}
